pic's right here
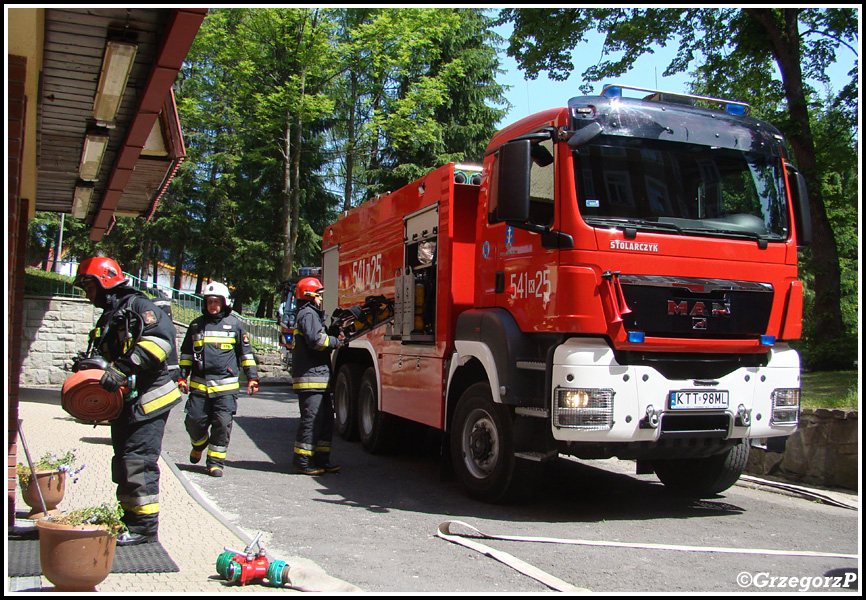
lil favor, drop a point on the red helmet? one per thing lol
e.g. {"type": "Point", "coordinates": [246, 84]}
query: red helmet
{"type": "Point", "coordinates": [308, 288]}
{"type": "Point", "coordinates": [103, 269]}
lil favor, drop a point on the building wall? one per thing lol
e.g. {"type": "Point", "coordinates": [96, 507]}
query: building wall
{"type": "Point", "coordinates": [17, 219]}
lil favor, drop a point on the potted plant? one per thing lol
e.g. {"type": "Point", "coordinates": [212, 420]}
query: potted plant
{"type": "Point", "coordinates": [51, 472]}
{"type": "Point", "coordinates": [76, 549]}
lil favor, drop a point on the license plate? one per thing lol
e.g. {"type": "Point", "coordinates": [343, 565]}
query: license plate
{"type": "Point", "coordinates": [698, 400]}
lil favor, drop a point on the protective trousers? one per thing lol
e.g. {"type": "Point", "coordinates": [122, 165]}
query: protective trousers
{"type": "Point", "coordinates": [214, 414]}
{"type": "Point", "coordinates": [316, 429]}
{"type": "Point", "coordinates": [134, 469]}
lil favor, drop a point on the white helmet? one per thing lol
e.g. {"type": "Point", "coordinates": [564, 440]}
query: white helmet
{"type": "Point", "coordinates": [218, 289]}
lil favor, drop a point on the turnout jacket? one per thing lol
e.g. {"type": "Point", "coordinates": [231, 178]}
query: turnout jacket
{"type": "Point", "coordinates": [214, 350]}
{"type": "Point", "coordinates": [311, 350]}
{"type": "Point", "coordinates": [139, 338]}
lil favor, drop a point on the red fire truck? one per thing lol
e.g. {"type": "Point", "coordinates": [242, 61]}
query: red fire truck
{"type": "Point", "coordinates": [618, 279]}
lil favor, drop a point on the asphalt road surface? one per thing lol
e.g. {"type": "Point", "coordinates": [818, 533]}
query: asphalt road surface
{"type": "Point", "coordinates": [374, 524]}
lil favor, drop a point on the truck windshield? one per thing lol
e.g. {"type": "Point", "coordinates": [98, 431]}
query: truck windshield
{"type": "Point", "coordinates": [681, 188]}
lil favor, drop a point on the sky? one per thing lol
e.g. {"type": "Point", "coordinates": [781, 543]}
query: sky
{"type": "Point", "coordinates": [528, 97]}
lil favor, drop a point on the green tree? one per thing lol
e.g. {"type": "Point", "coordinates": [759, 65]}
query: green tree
{"type": "Point", "coordinates": [413, 95]}
{"type": "Point", "coordinates": [734, 44]}
{"type": "Point", "coordinates": [464, 66]}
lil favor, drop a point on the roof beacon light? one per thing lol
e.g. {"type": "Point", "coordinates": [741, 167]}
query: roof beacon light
{"type": "Point", "coordinates": [612, 92]}
{"type": "Point", "coordinates": [735, 110]}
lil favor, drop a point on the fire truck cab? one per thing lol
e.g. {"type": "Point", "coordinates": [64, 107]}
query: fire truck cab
{"type": "Point", "coordinates": [619, 278]}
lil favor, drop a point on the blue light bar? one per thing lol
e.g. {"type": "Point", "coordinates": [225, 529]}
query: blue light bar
{"type": "Point", "coordinates": [613, 92]}
{"type": "Point", "coordinates": [636, 337]}
{"type": "Point", "coordinates": [768, 340]}
{"type": "Point", "coordinates": [736, 110]}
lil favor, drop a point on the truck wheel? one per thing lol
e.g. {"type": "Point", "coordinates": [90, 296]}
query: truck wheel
{"type": "Point", "coordinates": [699, 477]}
{"type": "Point", "coordinates": [374, 426]}
{"type": "Point", "coordinates": [346, 401]}
{"type": "Point", "coordinates": [482, 445]}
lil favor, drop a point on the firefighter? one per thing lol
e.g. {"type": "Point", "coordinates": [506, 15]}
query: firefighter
{"type": "Point", "coordinates": [311, 374]}
{"type": "Point", "coordinates": [136, 338]}
{"type": "Point", "coordinates": [215, 349]}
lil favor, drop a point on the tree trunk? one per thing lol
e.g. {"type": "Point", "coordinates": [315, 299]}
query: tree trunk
{"type": "Point", "coordinates": [155, 272]}
{"type": "Point", "coordinates": [296, 171]}
{"type": "Point", "coordinates": [177, 283]}
{"type": "Point", "coordinates": [351, 143]}
{"type": "Point", "coordinates": [784, 37]}
{"type": "Point", "coordinates": [286, 234]}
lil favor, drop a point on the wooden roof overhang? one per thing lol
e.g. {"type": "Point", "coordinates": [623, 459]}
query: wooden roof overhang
{"type": "Point", "coordinates": [145, 144]}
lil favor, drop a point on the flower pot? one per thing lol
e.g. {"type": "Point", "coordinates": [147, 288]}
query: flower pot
{"type": "Point", "coordinates": [52, 484]}
{"type": "Point", "coordinates": [75, 558]}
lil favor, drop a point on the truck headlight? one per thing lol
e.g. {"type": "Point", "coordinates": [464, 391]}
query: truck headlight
{"type": "Point", "coordinates": [585, 408]}
{"type": "Point", "coordinates": [786, 406]}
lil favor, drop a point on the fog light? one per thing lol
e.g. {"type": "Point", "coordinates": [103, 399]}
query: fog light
{"type": "Point", "coordinates": [786, 406]}
{"type": "Point", "coordinates": [589, 409]}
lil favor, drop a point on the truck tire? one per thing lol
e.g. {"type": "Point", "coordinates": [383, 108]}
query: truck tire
{"type": "Point", "coordinates": [482, 446]}
{"type": "Point", "coordinates": [701, 477]}
{"type": "Point", "coordinates": [374, 426]}
{"type": "Point", "coordinates": [346, 388]}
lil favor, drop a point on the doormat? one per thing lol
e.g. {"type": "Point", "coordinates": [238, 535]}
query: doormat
{"type": "Point", "coordinates": [22, 557]}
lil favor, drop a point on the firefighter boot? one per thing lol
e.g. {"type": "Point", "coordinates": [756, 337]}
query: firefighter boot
{"type": "Point", "coordinates": [197, 450]}
{"type": "Point", "coordinates": [322, 460]}
{"type": "Point", "coordinates": [303, 466]}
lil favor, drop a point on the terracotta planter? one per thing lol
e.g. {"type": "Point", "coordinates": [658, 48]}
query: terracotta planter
{"type": "Point", "coordinates": [75, 558]}
{"type": "Point", "coordinates": [53, 487]}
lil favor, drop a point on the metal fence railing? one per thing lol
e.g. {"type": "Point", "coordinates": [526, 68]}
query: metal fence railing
{"type": "Point", "coordinates": [264, 333]}
{"type": "Point", "coordinates": [49, 286]}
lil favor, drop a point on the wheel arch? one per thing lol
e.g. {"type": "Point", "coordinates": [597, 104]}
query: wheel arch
{"type": "Point", "coordinates": [361, 354]}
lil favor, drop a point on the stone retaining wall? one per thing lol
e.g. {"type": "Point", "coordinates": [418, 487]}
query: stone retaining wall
{"type": "Point", "coordinates": [56, 329]}
{"type": "Point", "coordinates": [822, 452]}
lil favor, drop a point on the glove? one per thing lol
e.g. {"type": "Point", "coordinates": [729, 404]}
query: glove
{"type": "Point", "coordinates": [113, 378]}
{"type": "Point", "coordinates": [183, 386]}
{"type": "Point", "coordinates": [252, 386]}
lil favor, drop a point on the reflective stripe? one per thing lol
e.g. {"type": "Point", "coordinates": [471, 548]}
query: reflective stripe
{"type": "Point", "coordinates": [248, 363]}
{"type": "Point", "coordinates": [158, 347]}
{"type": "Point", "coordinates": [185, 362]}
{"type": "Point", "coordinates": [215, 454]}
{"type": "Point", "coordinates": [311, 385]}
{"type": "Point", "coordinates": [158, 398]}
{"type": "Point", "coordinates": [323, 340]}
{"type": "Point", "coordinates": [216, 388]}
{"type": "Point", "coordinates": [200, 442]}
{"type": "Point", "coordinates": [129, 500]}
{"type": "Point", "coordinates": [217, 339]}
{"type": "Point", "coordinates": [303, 452]}
{"type": "Point", "coordinates": [224, 388]}
{"type": "Point", "coordinates": [146, 509]}
{"type": "Point", "coordinates": [197, 386]}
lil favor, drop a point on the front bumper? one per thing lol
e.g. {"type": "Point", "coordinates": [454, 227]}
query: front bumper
{"type": "Point", "coordinates": [632, 401]}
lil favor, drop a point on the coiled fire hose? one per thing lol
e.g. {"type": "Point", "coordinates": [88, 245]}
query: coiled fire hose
{"type": "Point", "coordinates": [86, 400]}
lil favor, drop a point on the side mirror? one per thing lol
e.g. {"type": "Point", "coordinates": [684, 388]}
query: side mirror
{"type": "Point", "coordinates": [513, 184]}
{"type": "Point", "coordinates": [800, 201]}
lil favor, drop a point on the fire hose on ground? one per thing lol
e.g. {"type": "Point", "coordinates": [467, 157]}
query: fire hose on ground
{"type": "Point", "coordinates": [444, 532]}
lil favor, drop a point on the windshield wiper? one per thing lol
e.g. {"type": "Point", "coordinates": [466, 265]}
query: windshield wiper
{"type": "Point", "coordinates": [729, 233]}
{"type": "Point", "coordinates": [635, 224]}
